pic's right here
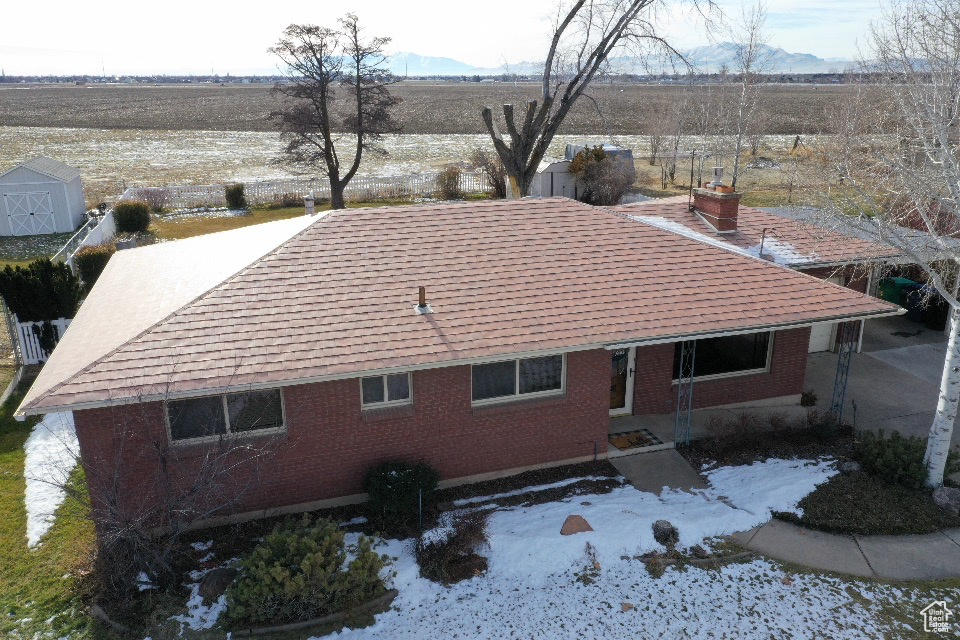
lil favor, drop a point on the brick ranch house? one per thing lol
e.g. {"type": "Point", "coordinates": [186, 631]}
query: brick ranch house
{"type": "Point", "coordinates": [542, 319]}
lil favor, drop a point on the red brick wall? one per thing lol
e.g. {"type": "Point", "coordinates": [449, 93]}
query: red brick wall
{"type": "Point", "coordinates": [655, 392]}
{"type": "Point", "coordinates": [330, 443]}
{"type": "Point", "coordinates": [855, 278]}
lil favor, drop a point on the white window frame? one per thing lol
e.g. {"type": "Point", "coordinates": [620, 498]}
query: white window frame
{"type": "Point", "coordinates": [736, 374]}
{"type": "Point", "coordinates": [517, 396]}
{"type": "Point", "coordinates": [387, 403]}
{"type": "Point", "coordinates": [226, 419]}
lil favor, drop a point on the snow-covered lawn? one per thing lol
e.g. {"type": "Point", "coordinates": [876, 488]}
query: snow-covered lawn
{"type": "Point", "coordinates": [534, 588]}
{"type": "Point", "coordinates": [51, 454]}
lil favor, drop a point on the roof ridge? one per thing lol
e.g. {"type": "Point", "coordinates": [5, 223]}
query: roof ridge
{"type": "Point", "coordinates": [174, 313]}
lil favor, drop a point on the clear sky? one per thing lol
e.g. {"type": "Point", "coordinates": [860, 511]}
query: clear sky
{"type": "Point", "coordinates": [179, 36]}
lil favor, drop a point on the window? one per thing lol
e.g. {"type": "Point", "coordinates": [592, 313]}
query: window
{"type": "Point", "coordinates": [214, 416]}
{"type": "Point", "coordinates": [517, 378]}
{"type": "Point", "coordinates": [727, 355]}
{"type": "Point", "coordinates": [385, 390]}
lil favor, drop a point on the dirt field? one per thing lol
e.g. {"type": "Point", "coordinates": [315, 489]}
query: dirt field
{"type": "Point", "coordinates": [428, 108]}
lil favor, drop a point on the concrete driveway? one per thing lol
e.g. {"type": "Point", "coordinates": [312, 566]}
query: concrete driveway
{"type": "Point", "coordinates": [893, 383]}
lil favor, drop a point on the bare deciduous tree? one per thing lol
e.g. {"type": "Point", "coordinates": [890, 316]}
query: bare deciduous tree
{"type": "Point", "coordinates": [585, 34]}
{"type": "Point", "coordinates": [906, 192]}
{"type": "Point", "coordinates": [751, 58]}
{"type": "Point", "coordinates": [338, 96]}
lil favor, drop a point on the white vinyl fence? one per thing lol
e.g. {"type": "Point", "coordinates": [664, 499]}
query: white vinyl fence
{"type": "Point", "coordinates": [293, 190]}
{"type": "Point", "coordinates": [26, 341]}
{"type": "Point", "coordinates": [95, 231]}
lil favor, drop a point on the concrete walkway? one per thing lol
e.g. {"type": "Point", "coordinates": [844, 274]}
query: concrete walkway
{"type": "Point", "coordinates": [652, 472]}
{"type": "Point", "coordinates": [912, 557]}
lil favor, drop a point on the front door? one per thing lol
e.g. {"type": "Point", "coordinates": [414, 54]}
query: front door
{"type": "Point", "coordinates": [621, 381]}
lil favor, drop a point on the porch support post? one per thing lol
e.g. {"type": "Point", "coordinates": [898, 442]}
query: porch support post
{"type": "Point", "coordinates": [684, 417]}
{"type": "Point", "coordinates": [847, 345]}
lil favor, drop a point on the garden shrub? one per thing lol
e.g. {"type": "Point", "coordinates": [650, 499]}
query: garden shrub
{"type": "Point", "coordinates": [493, 168]}
{"type": "Point", "coordinates": [395, 489]}
{"type": "Point", "coordinates": [605, 179]}
{"type": "Point", "coordinates": [234, 194]}
{"type": "Point", "coordinates": [131, 216]}
{"type": "Point", "coordinates": [42, 290]}
{"type": "Point", "coordinates": [449, 553]}
{"type": "Point", "coordinates": [299, 572]}
{"type": "Point", "coordinates": [91, 261]}
{"type": "Point", "coordinates": [448, 184]}
{"type": "Point", "coordinates": [897, 459]}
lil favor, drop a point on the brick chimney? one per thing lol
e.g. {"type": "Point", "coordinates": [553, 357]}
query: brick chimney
{"type": "Point", "coordinates": [718, 206]}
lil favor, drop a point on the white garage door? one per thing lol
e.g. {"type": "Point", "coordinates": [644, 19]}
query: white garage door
{"type": "Point", "coordinates": [29, 213]}
{"type": "Point", "coordinates": [823, 335]}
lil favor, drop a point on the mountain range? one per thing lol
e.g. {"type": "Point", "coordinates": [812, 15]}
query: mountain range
{"type": "Point", "coordinates": [706, 59]}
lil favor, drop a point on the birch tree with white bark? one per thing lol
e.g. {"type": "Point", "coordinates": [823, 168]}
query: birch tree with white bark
{"type": "Point", "coordinates": [751, 59]}
{"type": "Point", "coordinates": [895, 171]}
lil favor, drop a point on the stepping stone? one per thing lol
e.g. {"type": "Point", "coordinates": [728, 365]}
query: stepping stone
{"type": "Point", "coordinates": [575, 524]}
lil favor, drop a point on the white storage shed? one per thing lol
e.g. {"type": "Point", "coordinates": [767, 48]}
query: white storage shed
{"type": "Point", "coordinates": [554, 179]}
{"type": "Point", "coordinates": [41, 196]}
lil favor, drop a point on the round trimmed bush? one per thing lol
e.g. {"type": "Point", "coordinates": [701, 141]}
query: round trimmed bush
{"type": "Point", "coordinates": [300, 572]}
{"type": "Point", "coordinates": [131, 216]}
{"type": "Point", "coordinates": [395, 489]}
{"type": "Point", "coordinates": [91, 261]}
{"type": "Point", "coordinates": [235, 197]}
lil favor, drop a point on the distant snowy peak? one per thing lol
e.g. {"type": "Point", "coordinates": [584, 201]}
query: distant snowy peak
{"type": "Point", "coordinates": [712, 58]}
{"type": "Point", "coordinates": [405, 63]}
{"type": "Point", "coordinates": [706, 59]}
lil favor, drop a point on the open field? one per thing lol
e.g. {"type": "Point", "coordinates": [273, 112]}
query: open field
{"type": "Point", "coordinates": [112, 159]}
{"type": "Point", "coordinates": [427, 108]}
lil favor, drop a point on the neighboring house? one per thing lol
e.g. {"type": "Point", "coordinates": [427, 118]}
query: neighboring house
{"type": "Point", "coordinates": [543, 318]}
{"type": "Point", "coordinates": [826, 254]}
{"type": "Point", "coordinates": [41, 196]}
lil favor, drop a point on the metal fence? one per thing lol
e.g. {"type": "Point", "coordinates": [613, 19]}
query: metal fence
{"type": "Point", "coordinates": [292, 190]}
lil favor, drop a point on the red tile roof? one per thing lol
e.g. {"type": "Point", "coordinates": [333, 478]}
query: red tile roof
{"type": "Point", "coordinates": [503, 278]}
{"type": "Point", "coordinates": [789, 242]}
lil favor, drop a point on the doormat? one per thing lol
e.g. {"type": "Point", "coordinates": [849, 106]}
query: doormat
{"type": "Point", "coordinates": [634, 439]}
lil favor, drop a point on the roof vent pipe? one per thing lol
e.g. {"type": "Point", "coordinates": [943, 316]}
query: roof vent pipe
{"type": "Point", "coordinates": [422, 308]}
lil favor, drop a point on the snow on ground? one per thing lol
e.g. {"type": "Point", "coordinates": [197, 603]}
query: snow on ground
{"type": "Point", "coordinates": [200, 615]}
{"type": "Point", "coordinates": [533, 587]}
{"type": "Point", "coordinates": [533, 489]}
{"type": "Point", "coordinates": [51, 455]}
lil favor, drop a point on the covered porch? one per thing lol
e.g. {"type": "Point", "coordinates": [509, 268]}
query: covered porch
{"type": "Point", "coordinates": [892, 385]}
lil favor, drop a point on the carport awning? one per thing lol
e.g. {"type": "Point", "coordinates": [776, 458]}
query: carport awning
{"type": "Point", "coordinates": [857, 317]}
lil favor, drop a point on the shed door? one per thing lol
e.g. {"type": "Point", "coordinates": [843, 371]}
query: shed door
{"type": "Point", "coordinates": [30, 213]}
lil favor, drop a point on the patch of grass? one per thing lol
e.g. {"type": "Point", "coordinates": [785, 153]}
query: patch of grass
{"type": "Point", "coordinates": [20, 250]}
{"type": "Point", "coordinates": [176, 228]}
{"type": "Point", "coordinates": [866, 505]}
{"type": "Point", "coordinates": [43, 584]}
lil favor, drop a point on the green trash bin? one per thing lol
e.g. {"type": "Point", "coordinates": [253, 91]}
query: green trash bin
{"type": "Point", "coordinates": [894, 289]}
